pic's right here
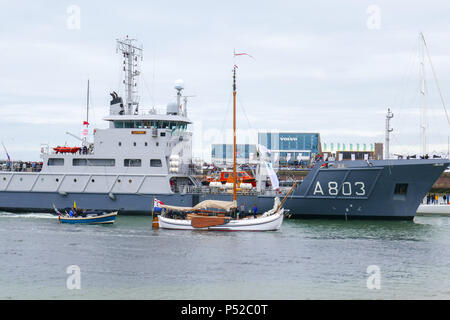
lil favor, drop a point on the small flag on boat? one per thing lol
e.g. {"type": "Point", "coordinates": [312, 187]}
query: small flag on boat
{"type": "Point", "coordinates": [242, 54]}
{"type": "Point", "coordinates": [74, 205]}
{"type": "Point", "coordinates": [157, 203]}
{"type": "Point", "coordinates": [7, 154]}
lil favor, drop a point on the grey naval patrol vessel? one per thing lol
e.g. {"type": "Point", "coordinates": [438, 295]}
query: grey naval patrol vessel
{"type": "Point", "coordinates": [144, 156]}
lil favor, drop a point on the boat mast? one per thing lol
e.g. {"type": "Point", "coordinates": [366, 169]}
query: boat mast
{"type": "Point", "coordinates": [423, 92]}
{"type": "Point", "coordinates": [85, 130]}
{"type": "Point", "coordinates": [234, 134]}
{"type": "Point", "coordinates": [87, 103]}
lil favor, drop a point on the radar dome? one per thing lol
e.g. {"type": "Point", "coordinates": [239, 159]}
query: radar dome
{"type": "Point", "coordinates": [179, 84]}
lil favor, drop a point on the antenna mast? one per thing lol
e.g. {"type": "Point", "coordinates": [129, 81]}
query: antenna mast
{"type": "Point", "coordinates": [130, 53]}
{"type": "Point", "coordinates": [389, 116]}
{"type": "Point", "coordinates": [87, 103]}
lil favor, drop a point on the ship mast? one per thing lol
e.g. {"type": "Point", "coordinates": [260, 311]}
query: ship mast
{"type": "Point", "coordinates": [423, 92]}
{"type": "Point", "coordinates": [234, 134]}
{"type": "Point", "coordinates": [389, 116]}
{"type": "Point", "coordinates": [130, 54]}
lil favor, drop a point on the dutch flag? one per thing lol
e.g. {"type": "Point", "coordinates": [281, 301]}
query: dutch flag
{"type": "Point", "coordinates": [157, 205]}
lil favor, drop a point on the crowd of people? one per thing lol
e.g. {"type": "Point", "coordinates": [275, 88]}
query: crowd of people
{"type": "Point", "coordinates": [21, 166]}
{"type": "Point", "coordinates": [433, 198]}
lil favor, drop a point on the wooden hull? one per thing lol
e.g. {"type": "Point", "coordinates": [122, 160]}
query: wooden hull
{"type": "Point", "coordinates": [269, 223]}
{"type": "Point", "coordinates": [103, 219]}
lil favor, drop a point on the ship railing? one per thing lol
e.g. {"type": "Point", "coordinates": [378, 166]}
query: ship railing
{"type": "Point", "coordinates": [80, 152]}
{"type": "Point", "coordinates": [211, 190]}
{"type": "Point", "coordinates": [20, 166]}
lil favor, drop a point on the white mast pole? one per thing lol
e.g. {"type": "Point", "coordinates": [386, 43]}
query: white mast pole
{"type": "Point", "coordinates": [389, 116]}
{"type": "Point", "coordinates": [423, 92]}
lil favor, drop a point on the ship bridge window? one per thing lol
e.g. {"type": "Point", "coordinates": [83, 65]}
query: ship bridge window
{"type": "Point", "coordinates": [55, 162]}
{"type": "Point", "coordinates": [400, 191]}
{"type": "Point", "coordinates": [132, 162]}
{"type": "Point", "coordinates": [155, 163]}
{"type": "Point", "coordinates": [118, 124]}
{"type": "Point", "coordinates": [94, 162]}
{"type": "Point", "coordinates": [129, 124]}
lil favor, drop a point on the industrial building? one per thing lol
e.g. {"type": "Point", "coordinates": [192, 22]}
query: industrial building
{"type": "Point", "coordinates": [293, 148]}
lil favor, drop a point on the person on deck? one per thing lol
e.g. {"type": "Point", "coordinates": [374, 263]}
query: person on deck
{"type": "Point", "coordinates": [255, 211]}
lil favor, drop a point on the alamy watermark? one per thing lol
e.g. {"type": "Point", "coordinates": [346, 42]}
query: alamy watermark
{"type": "Point", "coordinates": [74, 279]}
{"type": "Point", "coordinates": [73, 21]}
{"type": "Point", "coordinates": [373, 21]}
{"type": "Point", "coordinates": [374, 279]}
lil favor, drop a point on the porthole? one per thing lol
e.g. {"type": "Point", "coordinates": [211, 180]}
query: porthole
{"type": "Point", "coordinates": [57, 180]}
{"type": "Point", "coordinates": [120, 143]}
{"type": "Point", "coordinates": [145, 144]}
{"type": "Point", "coordinates": [4, 178]}
{"type": "Point", "coordinates": [93, 180]}
{"type": "Point", "coordinates": [20, 179]}
{"type": "Point", "coordinates": [118, 180]}
{"type": "Point", "coordinates": [134, 144]}
{"type": "Point", "coordinates": [130, 181]}
{"type": "Point", "coordinates": [74, 180]}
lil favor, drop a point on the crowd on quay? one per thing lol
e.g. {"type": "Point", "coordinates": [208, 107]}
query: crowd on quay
{"type": "Point", "coordinates": [433, 198]}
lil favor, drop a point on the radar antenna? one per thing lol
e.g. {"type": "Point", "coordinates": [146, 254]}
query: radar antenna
{"type": "Point", "coordinates": [130, 53]}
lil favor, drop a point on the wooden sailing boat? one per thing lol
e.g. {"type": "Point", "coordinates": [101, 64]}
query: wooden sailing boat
{"type": "Point", "coordinates": [221, 215]}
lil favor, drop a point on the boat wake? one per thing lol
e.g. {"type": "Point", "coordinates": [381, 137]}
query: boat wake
{"type": "Point", "coordinates": [28, 215]}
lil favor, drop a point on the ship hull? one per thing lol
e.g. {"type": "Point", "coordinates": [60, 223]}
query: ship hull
{"type": "Point", "coordinates": [384, 190]}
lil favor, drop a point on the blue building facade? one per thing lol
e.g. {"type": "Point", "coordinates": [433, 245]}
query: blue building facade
{"type": "Point", "coordinates": [223, 153]}
{"type": "Point", "coordinates": [292, 147]}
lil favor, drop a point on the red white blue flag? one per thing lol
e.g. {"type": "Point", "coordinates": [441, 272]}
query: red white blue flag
{"type": "Point", "coordinates": [157, 203]}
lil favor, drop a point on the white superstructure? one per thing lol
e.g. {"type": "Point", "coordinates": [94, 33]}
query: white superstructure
{"type": "Point", "coordinates": [140, 152]}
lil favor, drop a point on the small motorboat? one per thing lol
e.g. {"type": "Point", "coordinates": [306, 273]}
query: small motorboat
{"type": "Point", "coordinates": [77, 216]}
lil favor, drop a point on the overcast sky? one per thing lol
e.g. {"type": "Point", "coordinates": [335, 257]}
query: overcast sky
{"type": "Point", "coordinates": [332, 67]}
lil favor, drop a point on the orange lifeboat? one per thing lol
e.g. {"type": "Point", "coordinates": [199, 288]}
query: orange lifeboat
{"type": "Point", "coordinates": [66, 149]}
{"type": "Point", "coordinates": [227, 176]}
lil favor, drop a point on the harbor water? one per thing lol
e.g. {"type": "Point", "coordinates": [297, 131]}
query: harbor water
{"type": "Point", "coordinates": [306, 259]}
